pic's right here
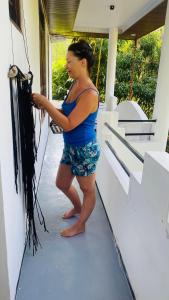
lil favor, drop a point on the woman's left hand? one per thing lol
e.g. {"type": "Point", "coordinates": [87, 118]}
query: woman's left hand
{"type": "Point", "coordinates": [39, 100]}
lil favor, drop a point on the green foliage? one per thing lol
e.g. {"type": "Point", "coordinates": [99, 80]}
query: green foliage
{"type": "Point", "coordinates": [123, 63]}
{"type": "Point", "coordinates": [60, 80]}
{"type": "Point", "coordinates": [103, 65]}
{"type": "Point", "coordinates": [144, 62]}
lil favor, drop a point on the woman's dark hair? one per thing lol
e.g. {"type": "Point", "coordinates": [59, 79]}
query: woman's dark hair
{"type": "Point", "coordinates": [82, 49]}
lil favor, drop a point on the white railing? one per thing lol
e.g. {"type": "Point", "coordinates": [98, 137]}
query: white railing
{"type": "Point", "coordinates": [137, 207]}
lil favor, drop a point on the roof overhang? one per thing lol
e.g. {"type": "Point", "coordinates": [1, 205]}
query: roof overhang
{"type": "Point", "coordinates": [150, 22]}
{"type": "Point", "coordinates": [86, 18]}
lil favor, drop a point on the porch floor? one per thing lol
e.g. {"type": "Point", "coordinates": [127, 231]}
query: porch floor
{"type": "Point", "coordinates": [84, 267]}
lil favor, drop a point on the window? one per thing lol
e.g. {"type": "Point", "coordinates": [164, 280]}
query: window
{"type": "Point", "coordinates": [14, 12]}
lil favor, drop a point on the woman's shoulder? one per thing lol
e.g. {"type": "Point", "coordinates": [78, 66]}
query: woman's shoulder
{"type": "Point", "coordinates": [87, 91]}
{"type": "Point", "coordinates": [78, 92]}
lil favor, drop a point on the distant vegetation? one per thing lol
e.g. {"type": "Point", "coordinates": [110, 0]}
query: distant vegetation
{"type": "Point", "coordinates": [136, 74]}
{"type": "Point", "coordinates": [137, 70]}
{"type": "Point", "coordinates": [60, 80]}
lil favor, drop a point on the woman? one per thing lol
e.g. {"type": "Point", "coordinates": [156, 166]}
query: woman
{"type": "Point", "coordinates": [81, 151]}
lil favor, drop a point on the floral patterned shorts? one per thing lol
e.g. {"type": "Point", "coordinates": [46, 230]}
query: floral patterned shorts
{"type": "Point", "coordinates": [82, 159]}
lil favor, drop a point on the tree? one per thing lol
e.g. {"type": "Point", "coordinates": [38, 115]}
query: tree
{"type": "Point", "coordinates": [136, 73]}
{"type": "Point", "coordinates": [144, 65]}
{"type": "Point", "coordinates": [60, 79]}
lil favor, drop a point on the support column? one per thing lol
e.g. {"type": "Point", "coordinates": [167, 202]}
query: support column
{"type": "Point", "coordinates": [111, 67]}
{"type": "Point", "coordinates": [161, 106]}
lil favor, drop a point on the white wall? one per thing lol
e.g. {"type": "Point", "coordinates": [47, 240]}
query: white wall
{"type": "Point", "coordinates": [137, 208]}
{"type": "Point", "coordinates": [12, 204]}
{"type": "Point", "coordinates": [12, 207]}
{"type": "Point", "coordinates": [4, 279]}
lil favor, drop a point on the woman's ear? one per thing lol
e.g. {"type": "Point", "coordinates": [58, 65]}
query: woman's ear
{"type": "Point", "coordinates": [84, 62]}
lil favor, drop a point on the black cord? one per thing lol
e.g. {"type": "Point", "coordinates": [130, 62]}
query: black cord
{"type": "Point", "coordinates": [26, 146]}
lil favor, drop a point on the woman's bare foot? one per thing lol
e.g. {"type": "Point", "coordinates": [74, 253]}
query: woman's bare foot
{"type": "Point", "coordinates": [73, 230]}
{"type": "Point", "coordinates": [71, 213]}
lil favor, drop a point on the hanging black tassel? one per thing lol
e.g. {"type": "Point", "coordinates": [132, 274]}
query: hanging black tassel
{"type": "Point", "coordinates": [14, 137]}
{"type": "Point", "coordinates": [25, 146]}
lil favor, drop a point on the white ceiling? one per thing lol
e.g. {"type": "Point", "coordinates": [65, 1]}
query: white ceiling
{"type": "Point", "coordinates": [96, 16]}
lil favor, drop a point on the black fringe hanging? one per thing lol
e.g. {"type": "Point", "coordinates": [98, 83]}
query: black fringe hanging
{"type": "Point", "coordinates": [24, 148]}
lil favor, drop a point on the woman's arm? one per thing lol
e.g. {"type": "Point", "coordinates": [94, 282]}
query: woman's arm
{"type": "Point", "coordinates": [59, 109]}
{"type": "Point", "coordinates": [55, 103]}
{"type": "Point", "coordinates": [88, 103]}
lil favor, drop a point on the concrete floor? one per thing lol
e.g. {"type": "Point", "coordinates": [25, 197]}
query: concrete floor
{"type": "Point", "coordinates": [84, 267]}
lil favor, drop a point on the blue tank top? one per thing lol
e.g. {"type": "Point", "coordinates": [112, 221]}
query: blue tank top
{"type": "Point", "coordinates": [84, 132]}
